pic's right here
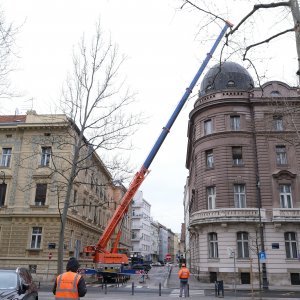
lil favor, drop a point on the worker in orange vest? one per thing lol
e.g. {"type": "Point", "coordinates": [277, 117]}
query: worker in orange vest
{"type": "Point", "coordinates": [70, 285]}
{"type": "Point", "coordinates": [183, 275]}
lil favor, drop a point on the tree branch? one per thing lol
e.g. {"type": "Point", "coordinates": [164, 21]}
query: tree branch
{"type": "Point", "coordinates": [255, 8]}
{"type": "Point", "coordinates": [266, 41]}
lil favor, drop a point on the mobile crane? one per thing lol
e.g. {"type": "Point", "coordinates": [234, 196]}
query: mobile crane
{"type": "Point", "coordinates": [110, 261]}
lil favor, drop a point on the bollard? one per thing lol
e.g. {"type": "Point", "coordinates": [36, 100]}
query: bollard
{"type": "Point", "coordinates": [159, 289]}
{"type": "Point", "coordinates": [105, 288]}
{"type": "Point", "coordinates": [39, 284]}
{"type": "Point", "coordinates": [216, 288]}
{"type": "Point", "coordinates": [132, 288]}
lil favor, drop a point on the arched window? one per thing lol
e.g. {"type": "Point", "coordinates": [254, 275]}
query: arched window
{"type": "Point", "coordinates": [209, 88]}
{"type": "Point", "coordinates": [230, 83]}
{"type": "Point", "coordinates": [275, 94]}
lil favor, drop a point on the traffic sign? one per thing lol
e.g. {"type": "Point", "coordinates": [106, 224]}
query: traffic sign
{"type": "Point", "coordinates": [262, 256]}
{"type": "Point", "coordinates": [50, 255]}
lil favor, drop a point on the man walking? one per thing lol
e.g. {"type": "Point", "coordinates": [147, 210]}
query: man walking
{"type": "Point", "coordinates": [183, 275]}
{"type": "Point", "coordinates": [70, 285]}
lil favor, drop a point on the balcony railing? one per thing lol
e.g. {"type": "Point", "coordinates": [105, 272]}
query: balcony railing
{"type": "Point", "coordinates": [286, 214]}
{"type": "Point", "coordinates": [227, 215]}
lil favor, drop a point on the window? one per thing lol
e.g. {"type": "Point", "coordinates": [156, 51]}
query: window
{"type": "Point", "coordinates": [285, 196]}
{"type": "Point", "coordinates": [2, 193]}
{"type": "Point", "coordinates": [290, 245]}
{"type": "Point", "coordinates": [71, 240]}
{"type": "Point", "coordinates": [75, 196]}
{"type": "Point", "coordinates": [211, 197]}
{"type": "Point", "coordinates": [209, 88]}
{"type": "Point", "coordinates": [209, 158]}
{"type": "Point", "coordinates": [40, 194]}
{"type": "Point", "coordinates": [207, 127]}
{"type": "Point", "coordinates": [46, 155]}
{"type": "Point", "coordinates": [6, 157]}
{"type": "Point", "coordinates": [242, 245]}
{"type": "Point", "coordinates": [281, 157]}
{"type": "Point", "coordinates": [235, 123]}
{"type": "Point", "coordinates": [278, 123]}
{"type": "Point", "coordinates": [237, 155]}
{"type": "Point", "coordinates": [36, 238]}
{"type": "Point", "coordinates": [230, 83]}
{"type": "Point", "coordinates": [275, 94]}
{"type": "Point", "coordinates": [239, 196]}
{"type": "Point", "coordinates": [213, 245]}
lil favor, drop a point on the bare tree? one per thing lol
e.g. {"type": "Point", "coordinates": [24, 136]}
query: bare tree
{"type": "Point", "coordinates": [7, 42]}
{"type": "Point", "coordinates": [99, 107]}
{"type": "Point", "coordinates": [251, 31]}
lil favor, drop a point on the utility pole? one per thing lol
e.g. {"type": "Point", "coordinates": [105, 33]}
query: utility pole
{"type": "Point", "coordinates": [296, 17]}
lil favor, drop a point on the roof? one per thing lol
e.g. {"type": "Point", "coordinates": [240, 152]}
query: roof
{"type": "Point", "coordinates": [13, 119]}
{"type": "Point", "coordinates": [224, 76]}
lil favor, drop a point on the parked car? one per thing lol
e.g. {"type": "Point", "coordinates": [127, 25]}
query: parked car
{"type": "Point", "coordinates": [17, 284]}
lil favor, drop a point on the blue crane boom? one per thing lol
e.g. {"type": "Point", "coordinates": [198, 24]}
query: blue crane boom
{"type": "Point", "coordinates": [99, 251]}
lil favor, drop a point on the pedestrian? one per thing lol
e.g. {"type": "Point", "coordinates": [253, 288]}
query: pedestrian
{"type": "Point", "coordinates": [70, 285]}
{"type": "Point", "coordinates": [183, 275]}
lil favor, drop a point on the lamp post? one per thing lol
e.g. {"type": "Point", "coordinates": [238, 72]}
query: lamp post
{"type": "Point", "coordinates": [262, 243]}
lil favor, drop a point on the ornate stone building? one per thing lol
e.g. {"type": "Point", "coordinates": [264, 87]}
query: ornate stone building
{"type": "Point", "coordinates": [36, 151]}
{"type": "Point", "coordinates": [243, 158]}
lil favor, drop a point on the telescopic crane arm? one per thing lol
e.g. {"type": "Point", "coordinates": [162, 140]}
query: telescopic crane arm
{"type": "Point", "coordinates": [141, 174]}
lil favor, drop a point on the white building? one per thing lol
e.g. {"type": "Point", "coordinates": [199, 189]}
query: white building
{"type": "Point", "coordinates": [141, 226]}
{"type": "Point", "coordinates": [154, 249]}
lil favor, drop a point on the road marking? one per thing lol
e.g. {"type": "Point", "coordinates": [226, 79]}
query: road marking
{"type": "Point", "coordinates": [175, 293]}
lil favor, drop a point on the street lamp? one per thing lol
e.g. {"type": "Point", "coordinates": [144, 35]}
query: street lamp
{"type": "Point", "coordinates": [262, 243]}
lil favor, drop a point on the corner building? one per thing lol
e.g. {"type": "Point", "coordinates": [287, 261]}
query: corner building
{"type": "Point", "coordinates": [243, 160]}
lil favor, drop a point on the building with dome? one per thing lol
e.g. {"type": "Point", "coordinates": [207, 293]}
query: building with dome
{"type": "Point", "coordinates": [242, 203]}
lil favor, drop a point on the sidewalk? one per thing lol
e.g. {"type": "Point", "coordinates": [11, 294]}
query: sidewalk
{"type": "Point", "coordinates": [194, 283]}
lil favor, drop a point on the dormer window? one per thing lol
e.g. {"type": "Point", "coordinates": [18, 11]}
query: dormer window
{"type": "Point", "coordinates": [209, 88]}
{"type": "Point", "coordinates": [230, 83]}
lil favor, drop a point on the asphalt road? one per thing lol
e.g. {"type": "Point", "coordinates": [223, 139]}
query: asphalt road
{"type": "Point", "coordinates": [156, 287]}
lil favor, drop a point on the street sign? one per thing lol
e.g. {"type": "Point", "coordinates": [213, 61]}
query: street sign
{"type": "Point", "coordinates": [50, 255]}
{"type": "Point", "coordinates": [230, 252]}
{"type": "Point", "coordinates": [262, 256]}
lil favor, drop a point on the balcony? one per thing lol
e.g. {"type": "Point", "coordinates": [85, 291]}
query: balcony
{"type": "Point", "coordinates": [227, 215]}
{"type": "Point", "coordinates": [286, 215]}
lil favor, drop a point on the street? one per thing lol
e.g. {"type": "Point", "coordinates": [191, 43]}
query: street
{"type": "Point", "coordinates": [163, 283]}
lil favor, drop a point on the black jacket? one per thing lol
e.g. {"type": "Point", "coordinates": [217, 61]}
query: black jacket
{"type": "Point", "coordinates": [80, 286]}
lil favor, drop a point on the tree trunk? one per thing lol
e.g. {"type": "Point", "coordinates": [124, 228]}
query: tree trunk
{"type": "Point", "coordinates": [60, 255]}
{"type": "Point", "coordinates": [296, 17]}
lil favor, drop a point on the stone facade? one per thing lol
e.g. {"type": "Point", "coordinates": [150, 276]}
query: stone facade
{"type": "Point", "coordinates": [34, 163]}
{"type": "Point", "coordinates": [244, 166]}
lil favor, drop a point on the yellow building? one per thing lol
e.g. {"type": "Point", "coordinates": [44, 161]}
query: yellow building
{"type": "Point", "coordinates": [35, 162]}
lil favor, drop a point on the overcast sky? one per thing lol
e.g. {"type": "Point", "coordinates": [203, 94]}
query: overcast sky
{"type": "Point", "coordinates": [164, 45]}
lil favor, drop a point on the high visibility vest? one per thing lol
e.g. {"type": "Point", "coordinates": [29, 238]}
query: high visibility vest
{"type": "Point", "coordinates": [184, 273]}
{"type": "Point", "coordinates": [66, 286]}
